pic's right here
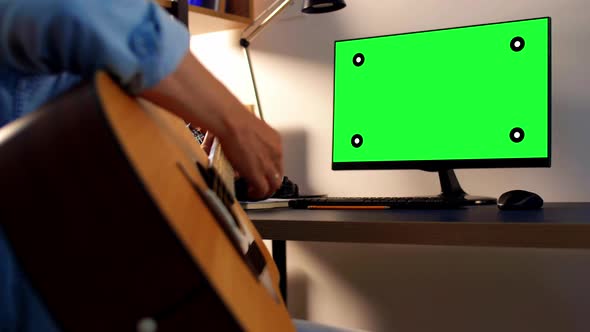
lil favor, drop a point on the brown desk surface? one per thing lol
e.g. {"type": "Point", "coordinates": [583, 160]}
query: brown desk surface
{"type": "Point", "coordinates": [557, 225]}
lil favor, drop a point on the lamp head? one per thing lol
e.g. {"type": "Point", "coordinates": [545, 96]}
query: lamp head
{"type": "Point", "coordinates": [322, 6]}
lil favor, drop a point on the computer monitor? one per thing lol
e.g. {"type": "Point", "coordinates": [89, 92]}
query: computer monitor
{"type": "Point", "coordinates": [466, 97]}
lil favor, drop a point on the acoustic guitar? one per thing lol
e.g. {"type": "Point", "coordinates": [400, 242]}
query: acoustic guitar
{"type": "Point", "coordinates": [121, 222]}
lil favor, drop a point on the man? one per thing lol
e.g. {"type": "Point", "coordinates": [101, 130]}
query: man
{"type": "Point", "coordinates": [47, 46]}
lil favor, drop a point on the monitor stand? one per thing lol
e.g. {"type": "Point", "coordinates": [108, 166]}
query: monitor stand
{"type": "Point", "coordinates": [451, 189]}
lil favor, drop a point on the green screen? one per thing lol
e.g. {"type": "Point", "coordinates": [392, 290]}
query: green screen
{"type": "Point", "coordinates": [470, 93]}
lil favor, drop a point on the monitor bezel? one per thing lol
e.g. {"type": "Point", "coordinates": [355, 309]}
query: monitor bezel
{"type": "Point", "coordinates": [434, 165]}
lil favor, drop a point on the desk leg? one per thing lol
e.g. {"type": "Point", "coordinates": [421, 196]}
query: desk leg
{"type": "Point", "coordinates": [279, 253]}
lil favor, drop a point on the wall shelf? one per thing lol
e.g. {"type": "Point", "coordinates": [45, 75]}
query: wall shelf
{"type": "Point", "coordinates": [205, 20]}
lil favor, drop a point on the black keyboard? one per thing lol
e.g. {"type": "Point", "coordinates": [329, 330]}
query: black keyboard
{"type": "Point", "coordinates": [430, 202]}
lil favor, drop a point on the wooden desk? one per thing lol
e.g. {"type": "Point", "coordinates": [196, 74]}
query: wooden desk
{"type": "Point", "coordinates": [557, 225]}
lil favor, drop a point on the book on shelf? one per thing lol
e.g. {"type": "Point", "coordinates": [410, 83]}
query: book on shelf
{"type": "Point", "coordinates": [271, 203]}
{"type": "Point", "coordinates": [211, 4]}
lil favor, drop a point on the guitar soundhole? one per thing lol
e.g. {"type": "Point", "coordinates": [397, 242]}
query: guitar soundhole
{"type": "Point", "coordinates": [217, 199]}
{"type": "Point", "coordinates": [220, 191]}
{"type": "Point", "coordinates": [215, 183]}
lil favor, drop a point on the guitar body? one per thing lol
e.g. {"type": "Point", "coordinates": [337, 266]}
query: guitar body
{"type": "Point", "coordinates": [102, 203]}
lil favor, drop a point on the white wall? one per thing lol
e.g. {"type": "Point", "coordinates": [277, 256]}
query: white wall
{"type": "Point", "coordinates": [413, 288]}
{"type": "Point", "coordinates": [221, 53]}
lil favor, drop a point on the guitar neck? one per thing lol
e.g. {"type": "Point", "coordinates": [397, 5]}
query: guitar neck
{"type": "Point", "coordinates": [222, 166]}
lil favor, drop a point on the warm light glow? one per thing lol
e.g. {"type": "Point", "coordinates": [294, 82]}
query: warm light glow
{"type": "Point", "coordinates": [323, 5]}
{"type": "Point", "coordinates": [224, 58]}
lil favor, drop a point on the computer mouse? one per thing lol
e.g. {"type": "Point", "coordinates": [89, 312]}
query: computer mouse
{"type": "Point", "coordinates": [519, 200]}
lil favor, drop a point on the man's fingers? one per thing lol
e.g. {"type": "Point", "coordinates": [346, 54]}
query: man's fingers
{"type": "Point", "coordinates": [258, 189]}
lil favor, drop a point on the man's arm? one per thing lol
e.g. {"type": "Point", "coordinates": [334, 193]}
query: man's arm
{"type": "Point", "coordinates": [253, 148]}
{"type": "Point", "coordinates": [134, 40]}
{"type": "Point", "coordinates": [147, 52]}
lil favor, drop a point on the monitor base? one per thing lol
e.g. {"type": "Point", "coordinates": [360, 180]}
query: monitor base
{"type": "Point", "coordinates": [473, 200]}
{"type": "Point", "coordinates": [451, 189]}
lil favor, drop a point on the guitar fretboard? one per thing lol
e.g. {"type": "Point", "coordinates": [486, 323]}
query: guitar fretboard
{"type": "Point", "coordinates": [221, 165]}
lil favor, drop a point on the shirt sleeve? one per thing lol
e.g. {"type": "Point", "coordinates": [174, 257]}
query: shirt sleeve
{"type": "Point", "coordinates": [136, 41]}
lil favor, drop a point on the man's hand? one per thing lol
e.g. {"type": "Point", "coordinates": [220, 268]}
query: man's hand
{"type": "Point", "coordinates": [255, 151]}
{"type": "Point", "coordinates": [252, 147]}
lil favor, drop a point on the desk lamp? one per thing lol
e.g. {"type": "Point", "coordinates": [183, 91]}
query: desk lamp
{"type": "Point", "coordinates": [288, 189]}
{"type": "Point", "coordinates": [309, 7]}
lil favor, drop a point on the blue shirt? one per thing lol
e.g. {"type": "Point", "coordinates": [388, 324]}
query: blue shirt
{"type": "Point", "coordinates": [47, 46]}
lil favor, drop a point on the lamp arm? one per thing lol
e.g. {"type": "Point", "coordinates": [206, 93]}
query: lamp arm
{"type": "Point", "coordinates": [252, 31]}
{"type": "Point", "coordinates": [261, 21]}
